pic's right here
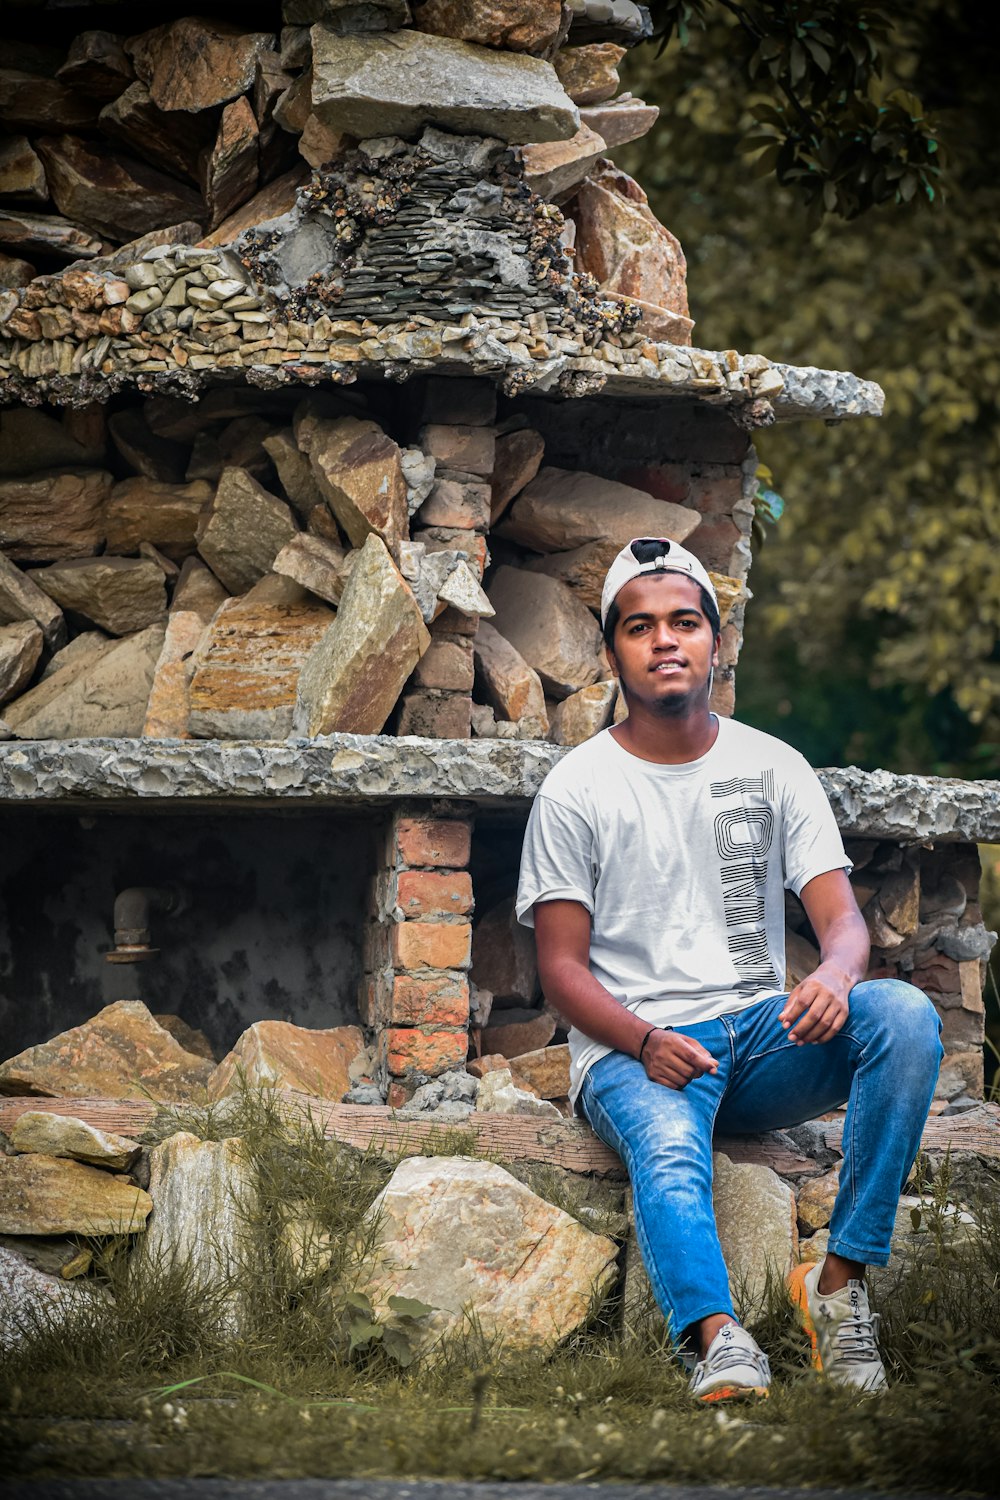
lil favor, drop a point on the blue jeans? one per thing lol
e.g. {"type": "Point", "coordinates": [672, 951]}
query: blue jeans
{"type": "Point", "coordinates": [884, 1063]}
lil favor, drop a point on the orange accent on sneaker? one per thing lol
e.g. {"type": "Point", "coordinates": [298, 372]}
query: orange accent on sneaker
{"type": "Point", "coordinates": [800, 1300]}
{"type": "Point", "coordinates": [736, 1393]}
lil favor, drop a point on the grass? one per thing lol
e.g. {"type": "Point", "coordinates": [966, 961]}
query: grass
{"type": "Point", "coordinates": [144, 1383]}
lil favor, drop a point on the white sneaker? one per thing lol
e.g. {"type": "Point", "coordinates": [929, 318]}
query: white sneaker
{"type": "Point", "coordinates": [733, 1369]}
{"type": "Point", "coordinates": [842, 1329]}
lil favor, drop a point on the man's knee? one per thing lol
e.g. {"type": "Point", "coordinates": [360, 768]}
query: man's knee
{"type": "Point", "coordinates": [899, 1013]}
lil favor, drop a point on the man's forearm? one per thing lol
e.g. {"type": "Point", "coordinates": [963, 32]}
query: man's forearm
{"type": "Point", "coordinates": [846, 946]}
{"type": "Point", "coordinates": [572, 990]}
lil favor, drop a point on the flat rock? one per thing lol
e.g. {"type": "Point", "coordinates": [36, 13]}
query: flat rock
{"type": "Point", "coordinates": [589, 74]}
{"type": "Point", "coordinates": [622, 244]}
{"type": "Point", "coordinates": [398, 84]}
{"type": "Point", "coordinates": [96, 65]}
{"type": "Point", "coordinates": [45, 234]}
{"type": "Point", "coordinates": [118, 594]}
{"type": "Point", "coordinates": [147, 510]}
{"type": "Point", "coordinates": [319, 566]}
{"type": "Point", "coordinates": [31, 440]}
{"type": "Point", "coordinates": [15, 273]}
{"type": "Point", "coordinates": [229, 170]}
{"type": "Point", "coordinates": [20, 649]}
{"type": "Point", "coordinates": [171, 140]}
{"type": "Point", "coordinates": [515, 25]}
{"type": "Point", "coordinates": [465, 1237]}
{"type": "Point", "coordinates": [755, 1215]}
{"type": "Point", "coordinates": [276, 1054]}
{"type": "Point", "coordinates": [168, 709]}
{"type": "Point", "coordinates": [104, 695]}
{"type": "Point", "coordinates": [21, 173]}
{"type": "Point", "coordinates": [21, 599]}
{"type": "Point", "coordinates": [29, 101]}
{"type": "Point", "coordinates": [30, 1299]}
{"type": "Point", "coordinates": [511, 686]}
{"type": "Point", "coordinates": [294, 471]}
{"type": "Point", "coordinates": [503, 956]}
{"type": "Point", "coordinates": [194, 64]}
{"type": "Point", "coordinates": [518, 458]}
{"type": "Point", "coordinates": [111, 195]}
{"type": "Point", "coordinates": [246, 672]}
{"type": "Point", "coordinates": [584, 714]}
{"type": "Point", "coordinates": [513, 1032]}
{"type": "Point", "coordinates": [41, 1133]}
{"type": "Point", "coordinates": [546, 1071]}
{"type": "Point", "coordinates": [243, 531]}
{"type": "Point", "coordinates": [566, 508]}
{"type": "Point", "coordinates": [354, 676]}
{"type": "Point", "coordinates": [583, 569]}
{"type": "Point", "coordinates": [50, 1195]}
{"type": "Point", "coordinates": [359, 472]}
{"type": "Point", "coordinates": [619, 121]}
{"type": "Point", "coordinates": [54, 514]}
{"type": "Point", "coordinates": [271, 202]}
{"type": "Point", "coordinates": [554, 169]}
{"type": "Point", "coordinates": [121, 1053]}
{"type": "Point", "coordinates": [545, 622]}
{"type": "Point", "coordinates": [500, 1095]}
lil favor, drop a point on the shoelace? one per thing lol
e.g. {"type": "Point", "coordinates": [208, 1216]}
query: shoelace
{"type": "Point", "coordinates": [857, 1337]}
{"type": "Point", "coordinates": [731, 1354]}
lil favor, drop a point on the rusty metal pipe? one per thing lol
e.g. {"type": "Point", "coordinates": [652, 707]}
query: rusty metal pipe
{"type": "Point", "coordinates": [131, 920]}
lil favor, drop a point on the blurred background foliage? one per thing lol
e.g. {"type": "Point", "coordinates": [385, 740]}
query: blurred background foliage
{"type": "Point", "coordinates": [838, 205]}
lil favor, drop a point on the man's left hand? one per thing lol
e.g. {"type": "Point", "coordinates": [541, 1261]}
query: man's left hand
{"type": "Point", "coordinates": [817, 1008]}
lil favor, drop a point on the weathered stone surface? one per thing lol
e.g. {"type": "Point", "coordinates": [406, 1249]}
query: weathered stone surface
{"type": "Point", "coordinates": [503, 956]}
{"type": "Point", "coordinates": [466, 1237]}
{"type": "Point", "coordinates": [276, 1054]}
{"type": "Point", "coordinates": [109, 194]}
{"type": "Point", "coordinates": [554, 169]}
{"type": "Point", "coordinates": [564, 509]}
{"type": "Point", "coordinates": [277, 198]}
{"type": "Point", "coordinates": [38, 1132]}
{"type": "Point", "coordinates": [190, 1038]}
{"type": "Point", "coordinates": [54, 514]}
{"type": "Point", "coordinates": [462, 591]}
{"type": "Point", "coordinates": [318, 144]}
{"type": "Point", "coordinates": [543, 620]}
{"type": "Point", "coordinates": [31, 440]}
{"type": "Point", "coordinates": [30, 1298]}
{"type": "Point", "coordinates": [513, 1032]}
{"type": "Point", "coordinates": [518, 458]}
{"type": "Point", "coordinates": [170, 140]}
{"type": "Point", "coordinates": [197, 590]}
{"type": "Point", "coordinates": [359, 471]}
{"type": "Point", "coordinates": [168, 710]}
{"type": "Point", "coordinates": [104, 695]}
{"type": "Point", "coordinates": [500, 1095]}
{"type": "Point", "coordinates": [21, 173]}
{"type": "Point", "coordinates": [622, 244]}
{"type": "Point", "coordinates": [50, 1195]}
{"type": "Point", "coordinates": [229, 170]}
{"type": "Point", "coordinates": [20, 648]}
{"type": "Point", "coordinates": [146, 510]}
{"type": "Point", "coordinates": [96, 65]}
{"type": "Point", "coordinates": [584, 714]}
{"type": "Point", "coordinates": [119, 594]}
{"type": "Point", "coordinates": [728, 591]}
{"type": "Point", "coordinates": [546, 1070]}
{"type": "Point", "coordinates": [121, 1053]}
{"type": "Point", "coordinates": [246, 672]}
{"type": "Point", "coordinates": [396, 85]}
{"type": "Point", "coordinates": [462, 503]}
{"type": "Point", "coordinates": [471, 449]}
{"type": "Point", "coordinates": [193, 64]}
{"type": "Point", "coordinates": [14, 272]}
{"type": "Point", "coordinates": [583, 569]}
{"type": "Point", "coordinates": [755, 1214]}
{"type": "Point", "coordinates": [515, 25]}
{"type": "Point", "coordinates": [319, 566]}
{"type": "Point", "coordinates": [514, 689]}
{"type": "Point", "coordinates": [294, 472]}
{"type": "Point", "coordinates": [354, 676]}
{"type": "Point", "coordinates": [243, 531]}
{"type": "Point", "coordinates": [29, 101]}
{"type": "Point", "coordinates": [45, 234]}
{"type": "Point", "coordinates": [22, 599]}
{"type": "Point", "coordinates": [816, 1199]}
{"type": "Point", "coordinates": [589, 74]}
{"type": "Point", "coordinates": [825, 394]}
{"type": "Point", "coordinates": [82, 651]}
{"type": "Point", "coordinates": [619, 122]}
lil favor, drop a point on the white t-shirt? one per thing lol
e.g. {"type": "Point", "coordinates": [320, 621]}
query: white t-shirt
{"type": "Point", "coordinates": [683, 869]}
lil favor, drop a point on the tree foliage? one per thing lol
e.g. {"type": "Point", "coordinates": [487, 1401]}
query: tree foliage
{"type": "Point", "coordinates": [878, 593]}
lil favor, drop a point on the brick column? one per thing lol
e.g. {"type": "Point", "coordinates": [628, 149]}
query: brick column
{"type": "Point", "coordinates": [418, 950]}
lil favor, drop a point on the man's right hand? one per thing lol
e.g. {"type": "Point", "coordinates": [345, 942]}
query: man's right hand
{"type": "Point", "coordinates": [673, 1059]}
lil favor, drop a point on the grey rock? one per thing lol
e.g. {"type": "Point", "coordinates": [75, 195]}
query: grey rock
{"type": "Point", "coordinates": [108, 696]}
{"type": "Point", "coordinates": [22, 599]}
{"type": "Point", "coordinates": [31, 1300]}
{"type": "Point", "coordinates": [20, 648]}
{"type": "Point", "coordinates": [830, 394]}
{"type": "Point", "coordinates": [963, 943]}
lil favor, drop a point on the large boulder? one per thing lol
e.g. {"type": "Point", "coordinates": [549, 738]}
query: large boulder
{"type": "Point", "coordinates": [276, 1054]}
{"type": "Point", "coordinates": [467, 1239]}
{"type": "Point", "coordinates": [51, 1195]}
{"type": "Point", "coordinates": [359, 471]}
{"type": "Point", "coordinates": [566, 508]}
{"type": "Point", "coordinates": [102, 691]}
{"type": "Point", "coordinates": [545, 622]}
{"type": "Point", "coordinates": [243, 530]}
{"type": "Point", "coordinates": [755, 1214]}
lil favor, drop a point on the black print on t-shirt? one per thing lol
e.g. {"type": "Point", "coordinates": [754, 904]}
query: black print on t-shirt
{"type": "Point", "coordinates": [743, 837]}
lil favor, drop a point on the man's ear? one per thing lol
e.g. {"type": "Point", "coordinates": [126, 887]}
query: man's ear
{"type": "Point", "coordinates": [715, 652]}
{"type": "Point", "coordinates": [612, 662]}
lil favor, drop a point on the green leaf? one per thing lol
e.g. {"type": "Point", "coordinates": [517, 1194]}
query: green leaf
{"type": "Point", "coordinates": [410, 1307]}
{"type": "Point", "coordinates": [397, 1345]}
{"type": "Point", "coordinates": [359, 1301]}
{"type": "Point", "coordinates": [363, 1333]}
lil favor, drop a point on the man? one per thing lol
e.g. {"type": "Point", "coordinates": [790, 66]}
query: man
{"type": "Point", "coordinates": [654, 871]}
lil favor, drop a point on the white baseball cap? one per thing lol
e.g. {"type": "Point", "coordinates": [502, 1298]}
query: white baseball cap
{"type": "Point", "coordinates": [651, 554]}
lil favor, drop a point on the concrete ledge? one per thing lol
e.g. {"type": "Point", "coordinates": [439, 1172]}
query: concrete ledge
{"type": "Point", "coordinates": [346, 770]}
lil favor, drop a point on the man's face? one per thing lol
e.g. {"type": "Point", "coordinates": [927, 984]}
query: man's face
{"type": "Point", "coordinates": [664, 648]}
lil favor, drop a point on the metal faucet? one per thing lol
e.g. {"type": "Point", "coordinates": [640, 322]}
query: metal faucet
{"type": "Point", "coordinates": [132, 909]}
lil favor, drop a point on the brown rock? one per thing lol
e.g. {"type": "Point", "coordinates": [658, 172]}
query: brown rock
{"type": "Point", "coordinates": [621, 243]}
{"type": "Point", "coordinates": [96, 65]}
{"type": "Point", "coordinates": [515, 25]}
{"type": "Point", "coordinates": [276, 1054]}
{"type": "Point", "coordinates": [899, 897]}
{"type": "Point", "coordinates": [555, 169]}
{"type": "Point", "coordinates": [354, 676]}
{"type": "Point", "coordinates": [319, 566]}
{"type": "Point", "coordinates": [145, 451]}
{"type": "Point", "coordinates": [32, 440]}
{"type": "Point", "coordinates": [121, 1053]}
{"type": "Point", "coordinates": [243, 531]}
{"type": "Point", "coordinates": [193, 64]}
{"type": "Point", "coordinates": [512, 687]}
{"type": "Point", "coordinates": [545, 1071]}
{"type": "Point", "coordinates": [435, 716]}
{"type": "Point", "coordinates": [462, 503]}
{"type": "Point", "coordinates": [22, 599]}
{"type": "Point", "coordinates": [229, 170]}
{"type": "Point", "coordinates": [143, 510]}
{"type": "Point", "coordinates": [620, 121]}
{"type": "Point", "coordinates": [119, 594]}
{"type": "Point", "coordinates": [515, 1032]}
{"type": "Point", "coordinates": [583, 570]}
{"type": "Point", "coordinates": [816, 1199]}
{"type": "Point", "coordinates": [38, 1132]}
{"type": "Point", "coordinates": [173, 141]}
{"type": "Point", "coordinates": [589, 74]}
{"type": "Point", "coordinates": [503, 959]}
{"type": "Point", "coordinates": [472, 450]}
{"type": "Point", "coordinates": [198, 590]}
{"type": "Point", "coordinates": [112, 195]}
{"type": "Point", "coordinates": [246, 672]}
{"type": "Point", "coordinates": [566, 508]}
{"type": "Point", "coordinates": [518, 457]}
{"type": "Point", "coordinates": [48, 1195]}
{"type": "Point", "coordinates": [106, 694]}
{"type": "Point", "coordinates": [544, 621]}
{"type": "Point", "coordinates": [168, 709]}
{"type": "Point", "coordinates": [491, 1062]}
{"type": "Point", "coordinates": [318, 144]}
{"type": "Point", "coordinates": [584, 714]}
{"type": "Point", "coordinates": [360, 474]}
{"type": "Point", "coordinates": [20, 648]}
{"type": "Point", "coordinates": [728, 591]}
{"type": "Point", "coordinates": [54, 514]}
{"type": "Point", "coordinates": [270, 203]}
{"type": "Point", "coordinates": [49, 234]}
{"type": "Point", "coordinates": [294, 472]}
{"type": "Point", "coordinates": [21, 173]}
{"type": "Point", "coordinates": [190, 1038]}
{"type": "Point", "coordinates": [292, 109]}
{"type": "Point", "coordinates": [15, 273]}
{"type": "Point", "coordinates": [31, 102]}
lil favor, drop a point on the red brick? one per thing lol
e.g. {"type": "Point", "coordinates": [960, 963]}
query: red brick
{"type": "Point", "coordinates": [431, 945]}
{"type": "Point", "coordinates": [713, 542]}
{"type": "Point", "coordinates": [446, 664]}
{"type": "Point", "coordinates": [451, 621]}
{"type": "Point", "coordinates": [664, 481]}
{"type": "Point", "coordinates": [399, 1093]}
{"type": "Point", "coordinates": [428, 1002]}
{"type": "Point", "coordinates": [434, 841]}
{"type": "Point", "coordinates": [431, 893]}
{"type": "Point", "coordinates": [407, 1051]}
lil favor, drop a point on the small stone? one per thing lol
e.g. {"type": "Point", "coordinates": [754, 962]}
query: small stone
{"type": "Point", "coordinates": [15, 273]}
{"type": "Point", "coordinates": [50, 1195]}
{"type": "Point", "coordinates": [514, 25]}
{"type": "Point", "coordinates": [755, 1215]}
{"type": "Point", "coordinates": [22, 599]}
{"type": "Point", "coordinates": [39, 1132]}
{"type": "Point", "coordinates": [563, 509]}
{"type": "Point", "coordinates": [319, 566]}
{"type": "Point", "coordinates": [96, 65]}
{"type": "Point", "coordinates": [555, 169]}
{"type": "Point", "coordinates": [276, 1054]}
{"type": "Point", "coordinates": [544, 621]}
{"type": "Point", "coordinates": [545, 1071]}
{"type": "Point", "coordinates": [194, 64]}
{"type": "Point", "coordinates": [514, 689]}
{"type": "Point", "coordinates": [118, 594]}
{"type": "Point", "coordinates": [620, 121]}
{"type": "Point", "coordinates": [53, 515]}
{"type": "Point", "coordinates": [498, 1094]}
{"type": "Point", "coordinates": [589, 74]}
{"type": "Point", "coordinates": [584, 714]}
{"type": "Point", "coordinates": [462, 591]}
{"type": "Point", "coordinates": [461, 503]}
{"type": "Point", "coordinates": [20, 650]}
{"type": "Point", "coordinates": [243, 531]}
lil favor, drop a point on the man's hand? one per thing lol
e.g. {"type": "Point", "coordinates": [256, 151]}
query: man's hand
{"type": "Point", "coordinates": [673, 1059]}
{"type": "Point", "coordinates": [817, 1008]}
